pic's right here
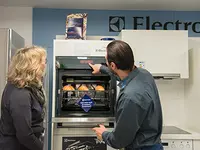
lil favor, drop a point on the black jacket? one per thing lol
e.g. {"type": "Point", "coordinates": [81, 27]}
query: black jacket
{"type": "Point", "coordinates": [21, 122]}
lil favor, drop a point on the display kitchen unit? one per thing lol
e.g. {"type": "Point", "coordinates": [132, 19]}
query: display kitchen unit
{"type": "Point", "coordinates": [82, 100]}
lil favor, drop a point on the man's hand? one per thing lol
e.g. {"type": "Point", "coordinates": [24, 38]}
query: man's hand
{"type": "Point", "coordinates": [99, 131]}
{"type": "Point", "coordinates": [95, 67]}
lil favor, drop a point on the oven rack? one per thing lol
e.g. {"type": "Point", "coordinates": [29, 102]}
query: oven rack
{"type": "Point", "coordinates": [75, 98]}
{"type": "Point", "coordinates": [85, 82]}
{"type": "Point", "coordinates": [86, 91]}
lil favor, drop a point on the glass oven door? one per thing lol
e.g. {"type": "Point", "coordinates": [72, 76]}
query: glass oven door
{"type": "Point", "coordinates": [82, 94]}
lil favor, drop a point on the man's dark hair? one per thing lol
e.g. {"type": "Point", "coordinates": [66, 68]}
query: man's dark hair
{"type": "Point", "coordinates": [121, 54]}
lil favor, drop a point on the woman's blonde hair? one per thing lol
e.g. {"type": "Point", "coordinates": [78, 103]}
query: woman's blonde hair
{"type": "Point", "coordinates": [25, 68]}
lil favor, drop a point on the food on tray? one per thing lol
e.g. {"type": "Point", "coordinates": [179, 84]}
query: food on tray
{"type": "Point", "coordinates": [68, 88]}
{"type": "Point", "coordinates": [83, 88]}
{"type": "Point", "coordinates": [76, 25]}
{"type": "Point", "coordinates": [99, 88]}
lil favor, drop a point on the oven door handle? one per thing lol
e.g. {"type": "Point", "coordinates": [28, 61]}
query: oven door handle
{"type": "Point", "coordinates": [80, 125]}
{"type": "Point", "coordinates": [83, 120]}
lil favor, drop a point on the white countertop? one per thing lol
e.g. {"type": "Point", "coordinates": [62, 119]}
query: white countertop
{"type": "Point", "coordinates": [173, 136]}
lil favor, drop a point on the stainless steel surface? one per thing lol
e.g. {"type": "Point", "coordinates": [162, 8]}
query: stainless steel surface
{"type": "Point", "coordinates": [88, 120]}
{"type": "Point", "coordinates": [9, 51]}
{"type": "Point", "coordinates": [3, 57]}
{"type": "Point", "coordinates": [16, 42]}
{"type": "Point", "coordinates": [173, 130]}
{"type": "Point", "coordinates": [46, 120]}
{"type": "Point", "coordinates": [166, 76]}
{"type": "Point", "coordinates": [83, 125]}
{"type": "Point", "coordinates": [10, 41]}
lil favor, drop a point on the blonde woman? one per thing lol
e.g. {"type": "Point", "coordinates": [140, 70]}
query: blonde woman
{"type": "Point", "coordinates": [23, 101]}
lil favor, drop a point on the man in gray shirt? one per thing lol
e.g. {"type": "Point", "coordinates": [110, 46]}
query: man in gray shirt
{"type": "Point", "coordinates": [138, 110]}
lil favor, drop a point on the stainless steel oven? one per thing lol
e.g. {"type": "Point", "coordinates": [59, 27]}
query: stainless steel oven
{"type": "Point", "coordinates": [80, 100]}
{"type": "Point", "coordinates": [81, 95]}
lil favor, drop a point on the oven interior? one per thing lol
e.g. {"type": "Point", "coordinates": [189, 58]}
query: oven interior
{"type": "Point", "coordinates": [75, 85]}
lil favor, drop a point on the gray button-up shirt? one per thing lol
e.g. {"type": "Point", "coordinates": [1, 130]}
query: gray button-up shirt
{"type": "Point", "coordinates": [138, 112]}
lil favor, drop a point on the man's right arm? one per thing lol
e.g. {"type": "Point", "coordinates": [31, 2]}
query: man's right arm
{"type": "Point", "coordinates": [106, 70]}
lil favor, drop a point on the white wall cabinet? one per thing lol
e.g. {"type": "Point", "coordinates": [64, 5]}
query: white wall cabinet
{"type": "Point", "coordinates": [162, 52]}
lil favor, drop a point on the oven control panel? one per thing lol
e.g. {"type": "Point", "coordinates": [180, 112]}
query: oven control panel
{"type": "Point", "coordinates": [177, 144]}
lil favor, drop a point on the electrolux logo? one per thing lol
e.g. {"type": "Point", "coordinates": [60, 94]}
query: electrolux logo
{"type": "Point", "coordinates": [67, 140]}
{"type": "Point", "coordinates": [116, 23]}
{"type": "Point", "coordinates": [100, 50]}
{"type": "Point", "coordinates": [177, 25]}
